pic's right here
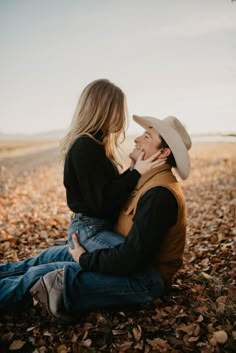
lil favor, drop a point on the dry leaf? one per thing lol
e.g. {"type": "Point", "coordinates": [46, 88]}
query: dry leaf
{"type": "Point", "coordinates": [30, 328]}
{"type": "Point", "coordinates": [137, 332]}
{"type": "Point", "coordinates": [46, 333]}
{"type": "Point", "coordinates": [119, 332]}
{"type": "Point", "coordinates": [206, 276]}
{"type": "Point", "coordinates": [220, 336]}
{"type": "Point", "coordinates": [86, 343]}
{"type": "Point", "coordinates": [139, 345]}
{"type": "Point", "coordinates": [62, 349]}
{"type": "Point", "coordinates": [16, 345]}
{"type": "Point", "coordinates": [234, 335]}
{"type": "Point", "coordinates": [124, 346]}
{"type": "Point", "coordinates": [193, 339]}
{"type": "Point", "coordinates": [159, 344]}
{"type": "Point", "coordinates": [74, 337]}
{"type": "Point", "coordinates": [7, 336]}
{"type": "Point", "coordinates": [200, 318]}
{"type": "Point", "coordinates": [189, 329]}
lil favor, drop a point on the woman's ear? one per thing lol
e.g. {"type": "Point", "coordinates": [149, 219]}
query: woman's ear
{"type": "Point", "coordinates": [165, 152]}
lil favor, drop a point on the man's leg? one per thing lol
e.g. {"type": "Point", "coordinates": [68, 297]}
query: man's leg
{"type": "Point", "coordinates": [89, 290]}
{"type": "Point", "coordinates": [48, 290]}
{"type": "Point", "coordinates": [50, 255]}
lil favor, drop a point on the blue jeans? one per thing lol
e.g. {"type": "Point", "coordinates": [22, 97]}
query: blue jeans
{"type": "Point", "coordinates": [16, 278]}
{"type": "Point", "coordinates": [86, 228]}
{"type": "Point", "coordinates": [82, 290]}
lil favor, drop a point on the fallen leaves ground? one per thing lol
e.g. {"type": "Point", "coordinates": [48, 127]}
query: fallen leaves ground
{"type": "Point", "coordinates": [198, 315]}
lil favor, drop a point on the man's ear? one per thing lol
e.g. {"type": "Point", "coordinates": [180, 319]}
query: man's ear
{"type": "Point", "coordinates": [165, 152]}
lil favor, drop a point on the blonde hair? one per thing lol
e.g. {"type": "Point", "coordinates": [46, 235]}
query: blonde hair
{"type": "Point", "coordinates": [101, 106]}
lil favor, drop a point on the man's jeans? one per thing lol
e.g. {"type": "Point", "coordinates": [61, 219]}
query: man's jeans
{"type": "Point", "coordinates": [84, 291]}
{"type": "Point", "coordinates": [81, 290]}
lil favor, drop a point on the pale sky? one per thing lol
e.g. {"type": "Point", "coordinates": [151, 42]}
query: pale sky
{"type": "Point", "coordinates": [170, 58]}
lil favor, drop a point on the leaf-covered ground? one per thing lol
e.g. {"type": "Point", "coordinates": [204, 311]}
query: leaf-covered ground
{"type": "Point", "coordinates": [198, 315]}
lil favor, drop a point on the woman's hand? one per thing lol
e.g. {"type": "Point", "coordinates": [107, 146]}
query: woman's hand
{"type": "Point", "coordinates": [131, 165]}
{"type": "Point", "coordinates": [78, 249]}
{"type": "Point", "coordinates": [143, 166]}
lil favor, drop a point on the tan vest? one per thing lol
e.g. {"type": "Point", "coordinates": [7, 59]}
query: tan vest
{"type": "Point", "coordinates": [170, 255]}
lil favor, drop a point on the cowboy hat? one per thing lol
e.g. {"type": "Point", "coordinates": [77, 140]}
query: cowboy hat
{"type": "Point", "coordinates": [175, 135]}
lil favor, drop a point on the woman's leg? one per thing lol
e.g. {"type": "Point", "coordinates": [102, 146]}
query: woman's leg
{"type": "Point", "coordinates": [14, 290]}
{"type": "Point", "coordinates": [93, 233]}
{"type": "Point", "coordinates": [104, 239]}
{"type": "Point", "coordinates": [47, 256]}
{"type": "Point", "coordinates": [60, 253]}
{"type": "Point", "coordinates": [86, 226]}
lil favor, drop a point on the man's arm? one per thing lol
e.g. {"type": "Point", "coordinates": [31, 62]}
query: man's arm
{"type": "Point", "coordinates": [156, 213]}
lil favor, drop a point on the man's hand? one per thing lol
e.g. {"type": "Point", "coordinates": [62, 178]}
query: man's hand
{"type": "Point", "coordinates": [78, 249]}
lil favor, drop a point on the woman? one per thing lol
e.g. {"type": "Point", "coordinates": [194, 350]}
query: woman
{"type": "Point", "coordinates": [95, 191]}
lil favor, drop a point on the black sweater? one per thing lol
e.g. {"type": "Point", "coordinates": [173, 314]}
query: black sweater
{"type": "Point", "coordinates": [156, 212]}
{"type": "Point", "coordinates": [93, 185]}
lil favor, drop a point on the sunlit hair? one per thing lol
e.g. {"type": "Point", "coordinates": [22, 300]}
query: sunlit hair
{"type": "Point", "coordinates": [101, 106]}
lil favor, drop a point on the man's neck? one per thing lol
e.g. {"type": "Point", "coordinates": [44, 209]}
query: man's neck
{"type": "Point", "coordinates": [153, 171]}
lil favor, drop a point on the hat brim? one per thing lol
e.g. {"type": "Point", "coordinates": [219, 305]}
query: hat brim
{"type": "Point", "coordinates": [173, 140]}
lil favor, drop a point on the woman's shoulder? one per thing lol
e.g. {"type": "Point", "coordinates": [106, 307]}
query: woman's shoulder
{"type": "Point", "coordinates": [85, 142]}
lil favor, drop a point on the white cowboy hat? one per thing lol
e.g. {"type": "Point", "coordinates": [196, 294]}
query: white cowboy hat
{"type": "Point", "coordinates": [175, 135]}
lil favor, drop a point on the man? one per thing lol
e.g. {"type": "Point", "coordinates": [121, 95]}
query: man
{"type": "Point", "coordinates": [153, 222]}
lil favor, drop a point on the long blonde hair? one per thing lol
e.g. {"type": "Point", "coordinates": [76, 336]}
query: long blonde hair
{"type": "Point", "coordinates": [101, 106]}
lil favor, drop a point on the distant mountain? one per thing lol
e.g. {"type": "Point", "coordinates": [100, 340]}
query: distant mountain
{"type": "Point", "coordinates": [213, 134]}
{"type": "Point", "coordinates": [47, 135]}
{"type": "Point", "coordinates": [58, 134]}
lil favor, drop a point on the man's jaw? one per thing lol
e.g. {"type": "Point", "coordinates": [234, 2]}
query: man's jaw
{"type": "Point", "coordinates": [134, 154]}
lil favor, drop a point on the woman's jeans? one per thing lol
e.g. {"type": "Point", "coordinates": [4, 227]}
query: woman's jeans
{"type": "Point", "coordinates": [87, 230]}
{"type": "Point", "coordinates": [82, 290]}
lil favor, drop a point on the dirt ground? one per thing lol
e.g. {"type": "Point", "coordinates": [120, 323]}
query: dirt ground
{"type": "Point", "coordinates": [198, 315]}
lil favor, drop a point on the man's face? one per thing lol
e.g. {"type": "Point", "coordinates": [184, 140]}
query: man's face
{"type": "Point", "coordinates": [149, 141]}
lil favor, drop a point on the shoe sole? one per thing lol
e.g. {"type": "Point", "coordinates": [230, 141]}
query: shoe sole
{"type": "Point", "coordinates": [40, 293]}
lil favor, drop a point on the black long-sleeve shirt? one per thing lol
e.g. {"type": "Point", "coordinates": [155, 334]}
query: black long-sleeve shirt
{"type": "Point", "coordinates": [93, 185]}
{"type": "Point", "coordinates": [156, 212]}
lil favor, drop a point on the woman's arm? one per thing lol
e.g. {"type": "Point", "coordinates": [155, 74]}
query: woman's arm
{"type": "Point", "coordinates": [91, 178]}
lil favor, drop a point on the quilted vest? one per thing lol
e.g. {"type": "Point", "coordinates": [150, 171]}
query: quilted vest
{"type": "Point", "coordinates": [169, 257]}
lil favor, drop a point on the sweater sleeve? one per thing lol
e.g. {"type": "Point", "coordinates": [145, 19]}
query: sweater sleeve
{"type": "Point", "coordinates": [103, 189]}
{"type": "Point", "coordinates": [156, 213]}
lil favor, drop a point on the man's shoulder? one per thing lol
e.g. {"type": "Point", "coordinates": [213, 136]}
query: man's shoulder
{"type": "Point", "coordinates": [160, 194]}
{"type": "Point", "coordinates": [159, 204]}
{"type": "Point", "coordinates": [158, 190]}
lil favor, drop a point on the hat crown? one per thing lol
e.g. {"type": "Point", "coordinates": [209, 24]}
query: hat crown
{"type": "Point", "coordinates": [179, 128]}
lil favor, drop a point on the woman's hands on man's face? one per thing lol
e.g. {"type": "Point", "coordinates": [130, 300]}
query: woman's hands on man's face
{"type": "Point", "coordinates": [144, 165]}
{"type": "Point", "coordinates": [78, 249]}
